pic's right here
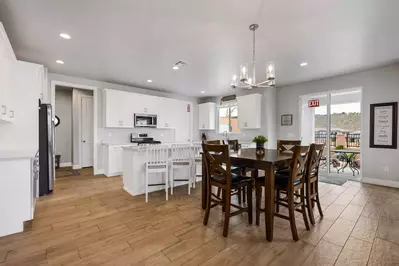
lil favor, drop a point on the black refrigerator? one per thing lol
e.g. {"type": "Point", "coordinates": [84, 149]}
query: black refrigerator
{"type": "Point", "coordinates": [46, 149]}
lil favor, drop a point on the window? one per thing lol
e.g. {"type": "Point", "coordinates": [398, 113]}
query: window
{"type": "Point", "coordinates": [228, 118]}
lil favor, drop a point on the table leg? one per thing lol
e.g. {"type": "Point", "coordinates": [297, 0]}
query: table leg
{"type": "Point", "coordinates": [204, 184]}
{"type": "Point", "coordinates": [269, 202]}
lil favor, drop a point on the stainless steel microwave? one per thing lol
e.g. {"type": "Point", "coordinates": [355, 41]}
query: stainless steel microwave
{"type": "Point", "coordinates": [145, 120]}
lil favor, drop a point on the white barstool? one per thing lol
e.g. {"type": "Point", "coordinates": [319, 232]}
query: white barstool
{"type": "Point", "coordinates": [157, 162]}
{"type": "Point", "coordinates": [197, 149]}
{"type": "Point", "coordinates": [182, 157]}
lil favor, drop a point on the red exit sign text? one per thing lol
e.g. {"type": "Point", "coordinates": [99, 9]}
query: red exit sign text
{"type": "Point", "coordinates": [314, 103]}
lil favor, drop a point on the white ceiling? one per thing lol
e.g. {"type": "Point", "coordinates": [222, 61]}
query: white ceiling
{"type": "Point", "coordinates": [130, 41]}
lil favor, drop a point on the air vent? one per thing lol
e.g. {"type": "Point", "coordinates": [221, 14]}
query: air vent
{"type": "Point", "coordinates": [180, 64]}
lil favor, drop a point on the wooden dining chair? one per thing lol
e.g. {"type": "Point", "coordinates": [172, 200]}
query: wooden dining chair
{"type": "Point", "coordinates": [237, 170]}
{"type": "Point", "coordinates": [287, 145]}
{"type": "Point", "coordinates": [219, 174]}
{"type": "Point", "coordinates": [312, 180]}
{"type": "Point", "coordinates": [290, 182]}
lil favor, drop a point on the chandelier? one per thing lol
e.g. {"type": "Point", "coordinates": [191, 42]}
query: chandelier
{"type": "Point", "coordinates": [246, 82]}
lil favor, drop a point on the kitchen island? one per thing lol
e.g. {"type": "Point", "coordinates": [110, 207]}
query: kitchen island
{"type": "Point", "coordinates": [134, 161]}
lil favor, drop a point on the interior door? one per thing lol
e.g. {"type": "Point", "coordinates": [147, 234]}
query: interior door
{"type": "Point", "coordinates": [87, 131]}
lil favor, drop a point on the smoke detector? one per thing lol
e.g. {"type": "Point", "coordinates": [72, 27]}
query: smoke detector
{"type": "Point", "coordinates": [179, 65]}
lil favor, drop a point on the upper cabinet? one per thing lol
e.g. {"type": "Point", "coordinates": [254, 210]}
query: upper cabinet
{"type": "Point", "coordinates": [118, 109]}
{"type": "Point", "coordinates": [7, 61]}
{"type": "Point", "coordinates": [249, 111]}
{"type": "Point", "coordinates": [207, 116]}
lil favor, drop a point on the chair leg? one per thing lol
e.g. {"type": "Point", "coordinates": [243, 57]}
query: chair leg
{"type": "Point", "coordinates": [195, 175]}
{"type": "Point", "coordinates": [291, 212]}
{"type": "Point", "coordinates": [277, 200]}
{"type": "Point", "coordinates": [227, 196]}
{"type": "Point", "coordinates": [243, 190]}
{"type": "Point", "coordinates": [189, 180]}
{"type": "Point", "coordinates": [312, 190]}
{"type": "Point", "coordinates": [316, 186]}
{"type": "Point", "coordinates": [239, 195]}
{"type": "Point", "coordinates": [309, 203]}
{"type": "Point", "coordinates": [249, 200]}
{"type": "Point", "coordinates": [218, 192]}
{"type": "Point", "coordinates": [172, 183]}
{"type": "Point", "coordinates": [303, 208]}
{"type": "Point", "coordinates": [166, 185]}
{"type": "Point", "coordinates": [146, 185]}
{"type": "Point", "coordinates": [208, 205]}
{"type": "Point", "coordinates": [258, 195]}
{"type": "Point", "coordinates": [224, 200]}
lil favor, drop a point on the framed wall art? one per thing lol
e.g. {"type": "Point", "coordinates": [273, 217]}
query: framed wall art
{"type": "Point", "coordinates": [286, 120]}
{"type": "Point", "coordinates": [384, 125]}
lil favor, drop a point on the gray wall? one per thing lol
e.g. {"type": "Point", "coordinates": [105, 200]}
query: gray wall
{"type": "Point", "coordinates": [119, 135]}
{"type": "Point", "coordinates": [268, 124]}
{"type": "Point", "coordinates": [63, 133]}
{"type": "Point", "coordinates": [379, 85]}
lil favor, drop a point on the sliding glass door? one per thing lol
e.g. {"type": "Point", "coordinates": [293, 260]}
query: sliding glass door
{"type": "Point", "coordinates": [334, 119]}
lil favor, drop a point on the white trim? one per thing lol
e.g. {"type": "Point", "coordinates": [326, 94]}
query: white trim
{"type": "Point", "coordinates": [380, 182]}
{"type": "Point", "coordinates": [66, 164]}
{"type": "Point", "coordinates": [76, 166]}
{"type": "Point", "coordinates": [128, 191]}
{"type": "Point", "coordinates": [53, 83]}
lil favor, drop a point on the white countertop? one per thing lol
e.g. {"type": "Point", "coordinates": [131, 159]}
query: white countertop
{"type": "Point", "coordinates": [17, 154]}
{"type": "Point", "coordinates": [119, 144]}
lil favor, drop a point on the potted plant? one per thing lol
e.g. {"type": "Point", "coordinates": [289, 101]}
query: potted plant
{"type": "Point", "coordinates": [260, 141]}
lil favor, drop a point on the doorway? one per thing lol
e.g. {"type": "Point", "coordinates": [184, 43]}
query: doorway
{"type": "Point", "coordinates": [334, 119]}
{"type": "Point", "coordinates": [74, 138]}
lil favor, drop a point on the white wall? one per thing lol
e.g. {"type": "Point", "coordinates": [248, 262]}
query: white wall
{"type": "Point", "coordinates": [23, 133]}
{"type": "Point", "coordinates": [378, 85]}
{"type": "Point", "coordinates": [63, 133]}
{"type": "Point", "coordinates": [121, 135]}
{"type": "Point", "coordinates": [268, 124]}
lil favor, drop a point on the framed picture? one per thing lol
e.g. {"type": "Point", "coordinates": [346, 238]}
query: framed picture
{"type": "Point", "coordinates": [384, 125]}
{"type": "Point", "coordinates": [286, 120]}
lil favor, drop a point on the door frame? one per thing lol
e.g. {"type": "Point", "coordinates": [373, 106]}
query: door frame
{"type": "Point", "coordinates": [328, 94]}
{"type": "Point", "coordinates": [95, 90]}
{"type": "Point", "coordinates": [81, 128]}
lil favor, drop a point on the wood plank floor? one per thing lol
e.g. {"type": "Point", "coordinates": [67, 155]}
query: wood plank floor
{"type": "Point", "coordinates": [91, 220]}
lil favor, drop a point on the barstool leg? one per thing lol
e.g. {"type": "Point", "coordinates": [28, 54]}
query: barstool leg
{"type": "Point", "coordinates": [146, 185]}
{"type": "Point", "coordinates": [172, 181]}
{"type": "Point", "coordinates": [166, 184]}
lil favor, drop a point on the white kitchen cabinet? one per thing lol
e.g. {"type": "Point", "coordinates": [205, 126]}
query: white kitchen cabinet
{"type": "Point", "coordinates": [113, 163]}
{"type": "Point", "coordinates": [118, 109]}
{"type": "Point", "coordinates": [7, 60]}
{"type": "Point", "coordinates": [249, 111]}
{"type": "Point", "coordinates": [207, 116]}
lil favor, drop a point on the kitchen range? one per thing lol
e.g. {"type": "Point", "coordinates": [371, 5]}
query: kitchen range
{"type": "Point", "coordinates": [142, 139]}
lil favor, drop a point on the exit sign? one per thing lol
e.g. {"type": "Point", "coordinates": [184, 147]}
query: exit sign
{"type": "Point", "coordinates": [314, 103]}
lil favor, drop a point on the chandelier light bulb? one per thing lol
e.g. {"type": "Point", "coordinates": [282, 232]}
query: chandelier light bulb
{"type": "Point", "coordinates": [270, 71]}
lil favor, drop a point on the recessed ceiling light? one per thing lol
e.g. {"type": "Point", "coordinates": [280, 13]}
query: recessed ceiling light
{"type": "Point", "coordinates": [149, 80]}
{"type": "Point", "coordinates": [202, 92]}
{"type": "Point", "coordinates": [303, 64]}
{"type": "Point", "coordinates": [65, 36]}
{"type": "Point", "coordinates": [60, 62]}
{"type": "Point", "coordinates": [175, 67]}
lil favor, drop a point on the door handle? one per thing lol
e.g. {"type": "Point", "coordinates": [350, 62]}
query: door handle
{"type": "Point", "coordinates": [4, 109]}
{"type": "Point", "coordinates": [84, 141]}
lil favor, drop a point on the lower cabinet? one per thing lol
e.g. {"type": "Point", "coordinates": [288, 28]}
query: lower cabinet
{"type": "Point", "coordinates": [113, 160]}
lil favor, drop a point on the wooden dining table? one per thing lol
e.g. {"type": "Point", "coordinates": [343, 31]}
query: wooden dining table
{"type": "Point", "coordinates": [267, 161]}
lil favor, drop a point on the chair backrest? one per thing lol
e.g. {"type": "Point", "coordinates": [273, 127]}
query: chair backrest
{"type": "Point", "coordinates": [287, 145]}
{"type": "Point", "coordinates": [156, 154]}
{"type": "Point", "coordinates": [313, 160]}
{"type": "Point", "coordinates": [197, 149]}
{"type": "Point", "coordinates": [298, 164]}
{"type": "Point", "coordinates": [214, 142]}
{"type": "Point", "coordinates": [182, 153]}
{"type": "Point", "coordinates": [233, 144]}
{"type": "Point", "coordinates": [217, 163]}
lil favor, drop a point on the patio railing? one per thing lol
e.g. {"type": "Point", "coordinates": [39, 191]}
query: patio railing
{"type": "Point", "coordinates": [321, 138]}
{"type": "Point", "coordinates": [353, 140]}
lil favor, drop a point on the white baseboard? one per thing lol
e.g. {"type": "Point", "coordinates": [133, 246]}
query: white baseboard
{"type": "Point", "coordinates": [380, 182]}
{"type": "Point", "coordinates": [76, 167]}
{"type": "Point", "coordinates": [128, 191]}
{"type": "Point", "coordinates": [66, 164]}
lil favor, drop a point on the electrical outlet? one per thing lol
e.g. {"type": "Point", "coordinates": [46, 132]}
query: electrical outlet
{"type": "Point", "coordinates": [386, 169]}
